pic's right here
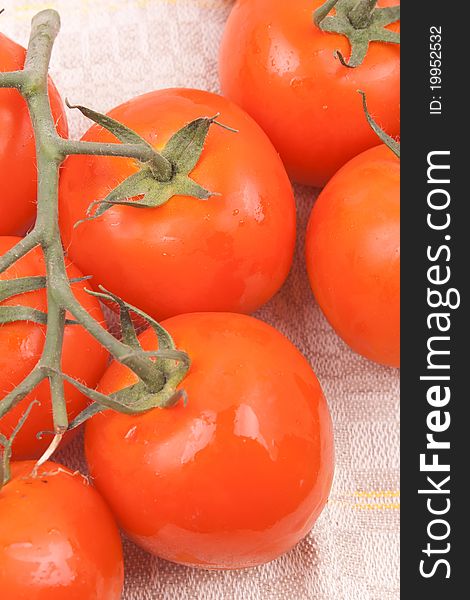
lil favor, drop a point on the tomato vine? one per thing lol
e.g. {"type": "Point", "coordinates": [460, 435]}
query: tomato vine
{"type": "Point", "coordinates": [158, 379]}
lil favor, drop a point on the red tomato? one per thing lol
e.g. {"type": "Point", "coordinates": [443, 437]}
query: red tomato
{"type": "Point", "coordinates": [58, 539]}
{"type": "Point", "coordinates": [17, 151]}
{"type": "Point", "coordinates": [353, 254]}
{"type": "Point", "coordinates": [237, 476]}
{"type": "Point", "coordinates": [21, 344]}
{"type": "Point", "coordinates": [280, 67]}
{"type": "Point", "coordinates": [230, 252]}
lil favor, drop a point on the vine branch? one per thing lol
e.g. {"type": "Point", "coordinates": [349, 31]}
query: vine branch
{"type": "Point", "coordinates": [159, 373]}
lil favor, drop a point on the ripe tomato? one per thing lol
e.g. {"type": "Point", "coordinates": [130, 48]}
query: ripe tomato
{"type": "Point", "coordinates": [21, 344]}
{"type": "Point", "coordinates": [58, 539]}
{"type": "Point", "coordinates": [230, 252]}
{"type": "Point", "coordinates": [237, 476]}
{"type": "Point", "coordinates": [281, 68]}
{"type": "Point", "coordinates": [353, 254]}
{"type": "Point", "coordinates": [17, 151]}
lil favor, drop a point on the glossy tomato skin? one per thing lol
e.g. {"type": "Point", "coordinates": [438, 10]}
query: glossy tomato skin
{"type": "Point", "coordinates": [17, 151]}
{"type": "Point", "coordinates": [237, 476]}
{"type": "Point", "coordinates": [353, 254]}
{"type": "Point", "coordinates": [58, 539]}
{"type": "Point", "coordinates": [21, 344]}
{"type": "Point", "coordinates": [277, 65]}
{"type": "Point", "coordinates": [231, 252]}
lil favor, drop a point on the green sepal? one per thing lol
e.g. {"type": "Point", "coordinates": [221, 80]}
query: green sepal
{"type": "Point", "coordinates": [144, 189]}
{"type": "Point", "coordinates": [132, 400]}
{"type": "Point", "coordinates": [384, 137]}
{"type": "Point", "coordinates": [121, 132]}
{"type": "Point", "coordinates": [165, 341]}
{"type": "Point", "coordinates": [128, 331]}
{"type": "Point", "coordinates": [152, 193]}
{"type": "Point", "coordinates": [10, 314]}
{"type": "Point", "coordinates": [185, 147]}
{"type": "Point", "coordinates": [96, 408]}
{"type": "Point", "coordinates": [361, 22]}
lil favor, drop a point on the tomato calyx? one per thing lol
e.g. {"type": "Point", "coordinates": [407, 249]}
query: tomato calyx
{"type": "Point", "coordinates": [170, 368]}
{"type": "Point", "coordinates": [165, 175]}
{"type": "Point", "coordinates": [361, 22]}
{"type": "Point", "coordinates": [392, 144]}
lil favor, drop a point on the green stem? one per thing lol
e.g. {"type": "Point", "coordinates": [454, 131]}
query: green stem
{"type": "Point", "coordinates": [161, 166]}
{"type": "Point", "coordinates": [7, 446]}
{"type": "Point", "coordinates": [45, 27]}
{"type": "Point", "coordinates": [14, 79]}
{"type": "Point", "coordinates": [323, 11]}
{"type": "Point", "coordinates": [22, 390]}
{"type": "Point", "coordinates": [51, 361]}
{"type": "Point", "coordinates": [19, 250]}
{"type": "Point", "coordinates": [141, 366]}
{"type": "Point", "coordinates": [139, 152]}
{"type": "Point", "coordinates": [51, 150]}
{"type": "Point", "coordinates": [361, 15]}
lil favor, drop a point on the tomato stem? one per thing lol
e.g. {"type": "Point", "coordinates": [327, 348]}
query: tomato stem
{"type": "Point", "coordinates": [19, 250]}
{"type": "Point", "coordinates": [361, 14]}
{"type": "Point", "coordinates": [7, 444]}
{"type": "Point", "coordinates": [157, 378]}
{"type": "Point", "coordinates": [28, 384]}
{"type": "Point", "coordinates": [323, 11]}
{"type": "Point", "coordinates": [14, 79]}
{"type": "Point", "coordinates": [139, 152]}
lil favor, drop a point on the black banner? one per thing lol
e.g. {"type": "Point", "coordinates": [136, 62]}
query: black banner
{"type": "Point", "coordinates": [435, 202]}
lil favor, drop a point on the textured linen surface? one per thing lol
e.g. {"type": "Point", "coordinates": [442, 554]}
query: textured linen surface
{"type": "Point", "coordinates": [109, 51]}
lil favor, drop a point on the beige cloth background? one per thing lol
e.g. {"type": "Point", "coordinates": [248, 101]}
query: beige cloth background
{"type": "Point", "coordinates": [109, 51]}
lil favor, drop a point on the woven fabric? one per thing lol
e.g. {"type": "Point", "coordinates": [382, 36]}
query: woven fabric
{"type": "Point", "coordinates": [109, 51]}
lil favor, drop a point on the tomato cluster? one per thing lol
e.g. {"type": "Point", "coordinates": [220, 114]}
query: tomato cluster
{"type": "Point", "coordinates": [238, 472]}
